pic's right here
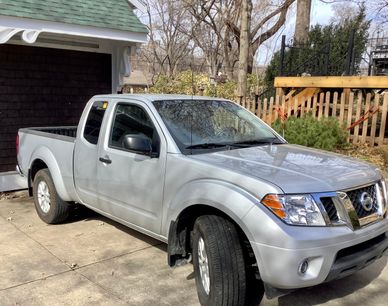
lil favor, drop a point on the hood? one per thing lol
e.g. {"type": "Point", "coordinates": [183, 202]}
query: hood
{"type": "Point", "coordinates": [294, 168]}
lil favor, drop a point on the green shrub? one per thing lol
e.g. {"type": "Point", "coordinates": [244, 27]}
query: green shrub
{"type": "Point", "coordinates": [325, 133]}
{"type": "Point", "coordinates": [189, 83]}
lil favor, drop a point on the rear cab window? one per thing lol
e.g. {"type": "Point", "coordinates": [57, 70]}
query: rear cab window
{"type": "Point", "coordinates": [94, 121]}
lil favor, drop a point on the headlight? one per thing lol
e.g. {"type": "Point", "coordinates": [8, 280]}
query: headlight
{"type": "Point", "coordinates": [298, 209]}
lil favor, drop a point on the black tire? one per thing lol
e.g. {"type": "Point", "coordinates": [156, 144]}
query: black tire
{"type": "Point", "coordinates": [58, 210]}
{"type": "Point", "coordinates": [228, 273]}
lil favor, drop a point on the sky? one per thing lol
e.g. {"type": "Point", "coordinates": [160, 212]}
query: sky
{"type": "Point", "coordinates": [320, 12]}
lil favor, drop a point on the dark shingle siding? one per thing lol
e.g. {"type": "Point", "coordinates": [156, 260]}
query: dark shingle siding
{"type": "Point", "coordinates": [112, 14]}
{"type": "Point", "coordinates": [43, 87]}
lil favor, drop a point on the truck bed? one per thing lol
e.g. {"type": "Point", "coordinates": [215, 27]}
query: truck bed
{"type": "Point", "coordinates": [54, 145]}
{"type": "Point", "coordinates": [67, 131]}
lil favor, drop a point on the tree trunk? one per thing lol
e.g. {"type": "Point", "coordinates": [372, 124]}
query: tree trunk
{"type": "Point", "coordinates": [244, 48]}
{"type": "Point", "coordinates": [251, 59]}
{"type": "Point", "coordinates": [227, 62]}
{"type": "Point", "coordinates": [302, 24]}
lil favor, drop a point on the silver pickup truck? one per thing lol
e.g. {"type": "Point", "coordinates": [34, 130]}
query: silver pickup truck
{"type": "Point", "coordinates": [253, 213]}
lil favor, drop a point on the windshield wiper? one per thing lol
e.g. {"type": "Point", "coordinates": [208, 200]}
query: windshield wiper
{"type": "Point", "coordinates": [261, 141]}
{"type": "Point", "coordinates": [241, 144]}
{"type": "Point", "coordinates": [208, 145]}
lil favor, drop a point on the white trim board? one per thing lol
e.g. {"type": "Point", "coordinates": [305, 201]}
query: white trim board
{"type": "Point", "coordinates": [139, 5]}
{"type": "Point", "coordinates": [40, 26]}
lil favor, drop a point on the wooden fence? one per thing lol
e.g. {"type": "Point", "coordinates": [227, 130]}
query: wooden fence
{"type": "Point", "coordinates": [363, 115]}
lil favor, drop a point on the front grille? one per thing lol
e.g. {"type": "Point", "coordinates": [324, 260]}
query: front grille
{"type": "Point", "coordinates": [329, 206]}
{"type": "Point", "coordinates": [355, 198]}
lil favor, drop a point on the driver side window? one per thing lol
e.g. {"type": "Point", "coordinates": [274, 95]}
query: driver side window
{"type": "Point", "coordinates": [132, 119]}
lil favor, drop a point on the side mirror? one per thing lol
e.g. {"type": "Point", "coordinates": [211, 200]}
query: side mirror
{"type": "Point", "coordinates": [138, 143]}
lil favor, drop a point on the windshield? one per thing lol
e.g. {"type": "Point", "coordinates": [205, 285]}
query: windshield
{"type": "Point", "coordinates": [203, 125]}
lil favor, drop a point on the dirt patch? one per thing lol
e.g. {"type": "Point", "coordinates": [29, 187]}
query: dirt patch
{"type": "Point", "coordinates": [13, 195]}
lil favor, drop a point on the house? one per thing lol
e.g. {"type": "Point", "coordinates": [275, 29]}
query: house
{"type": "Point", "coordinates": [54, 56]}
{"type": "Point", "coordinates": [137, 81]}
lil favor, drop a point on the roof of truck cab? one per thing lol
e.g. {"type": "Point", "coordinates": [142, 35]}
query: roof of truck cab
{"type": "Point", "coordinates": [157, 97]}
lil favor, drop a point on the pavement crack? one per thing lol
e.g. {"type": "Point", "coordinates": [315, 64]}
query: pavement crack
{"type": "Point", "coordinates": [110, 292]}
{"type": "Point", "coordinates": [35, 280]}
{"type": "Point", "coordinates": [42, 246]}
{"type": "Point", "coordinates": [117, 256]}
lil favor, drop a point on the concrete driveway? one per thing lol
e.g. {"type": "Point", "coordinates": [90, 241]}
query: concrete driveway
{"type": "Point", "coordinates": [94, 261]}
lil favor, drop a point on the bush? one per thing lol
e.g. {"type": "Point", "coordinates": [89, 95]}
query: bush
{"type": "Point", "coordinates": [325, 133]}
{"type": "Point", "coordinates": [189, 83]}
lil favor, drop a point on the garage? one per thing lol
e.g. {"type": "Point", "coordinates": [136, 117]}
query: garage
{"type": "Point", "coordinates": [43, 86]}
{"type": "Point", "coordinates": [54, 56]}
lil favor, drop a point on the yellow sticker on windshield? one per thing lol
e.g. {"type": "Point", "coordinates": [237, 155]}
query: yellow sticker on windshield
{"type": "Point", "coordinates": [105, 105]}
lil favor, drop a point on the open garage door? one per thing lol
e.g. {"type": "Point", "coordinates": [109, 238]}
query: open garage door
{"type": "Point", "coordinates": [43, 87]}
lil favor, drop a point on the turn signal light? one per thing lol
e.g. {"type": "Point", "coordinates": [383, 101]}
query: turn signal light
{"type": "Point", "coordinates": [273, 202]}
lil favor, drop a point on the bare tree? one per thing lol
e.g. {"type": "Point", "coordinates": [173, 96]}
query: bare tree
{"type": "Point", "coordinates": [168, 43]}
{"type": "Point", "coordinates": [226, 31]}
{"type": "Point", "coordinates": [265, 27]}
{"type": "Point", "coordinates": [211, 34]}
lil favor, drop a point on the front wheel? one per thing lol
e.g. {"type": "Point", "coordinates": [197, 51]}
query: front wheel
{"type": "Point", "coordinates": [49, 206]}
{"type": "Point", "coordinates": [220, 268]}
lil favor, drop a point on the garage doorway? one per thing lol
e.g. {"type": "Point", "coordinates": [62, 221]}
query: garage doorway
{"type": "Point", "coordinates": [44, 87]}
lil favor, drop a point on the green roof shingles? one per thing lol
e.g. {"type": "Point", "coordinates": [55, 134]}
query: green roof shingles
{"type": "Point", "coordinates": [112, 14]}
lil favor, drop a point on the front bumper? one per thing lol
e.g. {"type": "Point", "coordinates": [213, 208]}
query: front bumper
{"type": "Point", "coordinates": [352, 259]}
{"type": "Point", "coordinates": [331, 252]}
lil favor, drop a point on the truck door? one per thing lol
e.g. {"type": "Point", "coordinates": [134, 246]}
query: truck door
{"type": "Point", "coordinates": [130, 185]}
{"type": "Point", "coordinates": [86, 153]}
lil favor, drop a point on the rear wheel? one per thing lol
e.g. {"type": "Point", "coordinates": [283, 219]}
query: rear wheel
{"type": "Point", "coordinates": [49, 206]}
{"type": "Point", "coordinates": [219, 263]}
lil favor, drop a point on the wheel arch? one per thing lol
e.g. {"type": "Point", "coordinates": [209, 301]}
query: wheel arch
{"type": "Point", "coordinates": [179, 238]}
{"type": "Point", "coordinates": [43, 158]}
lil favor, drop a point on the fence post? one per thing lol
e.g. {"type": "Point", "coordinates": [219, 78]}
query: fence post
{"type": "Point", "coordinates": [258, 109]}
{"type": "Point", "coordinates": [264, 113]}
{"type": "Point", "coordinates": [349, 55]}
{"type": "Point", "coordinates": [270, 113]}
{"type": "Point", "coordinates": [282, 51]}
{"type": "Point", "coordinates": [335, 101]}
{"type": "Point", "coordinates": [277, 108]}
{"type": "Point", "coordinates": [376, 104]}
{"type": "Point", "coordinates": [320, 107]}
{"type": "Point", "coordinates": [383, 120]}
{"type": "Point", "coordinates": [342, 108]}
{"type": "Point", "coordinates": [365, 123]}
{"type": "Point", "coordinates": [327, 104]}
{"type": "Point", "coordinates": [356, 129]}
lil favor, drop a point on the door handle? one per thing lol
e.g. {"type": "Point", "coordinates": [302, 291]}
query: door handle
{"type": "Point", "coordinates": [105, 160]}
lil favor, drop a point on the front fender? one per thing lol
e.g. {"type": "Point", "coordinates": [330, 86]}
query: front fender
{"type": "Point", "coordinates": [44, 154]}
{"type": "Point", "coordinates": [232, 200]}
